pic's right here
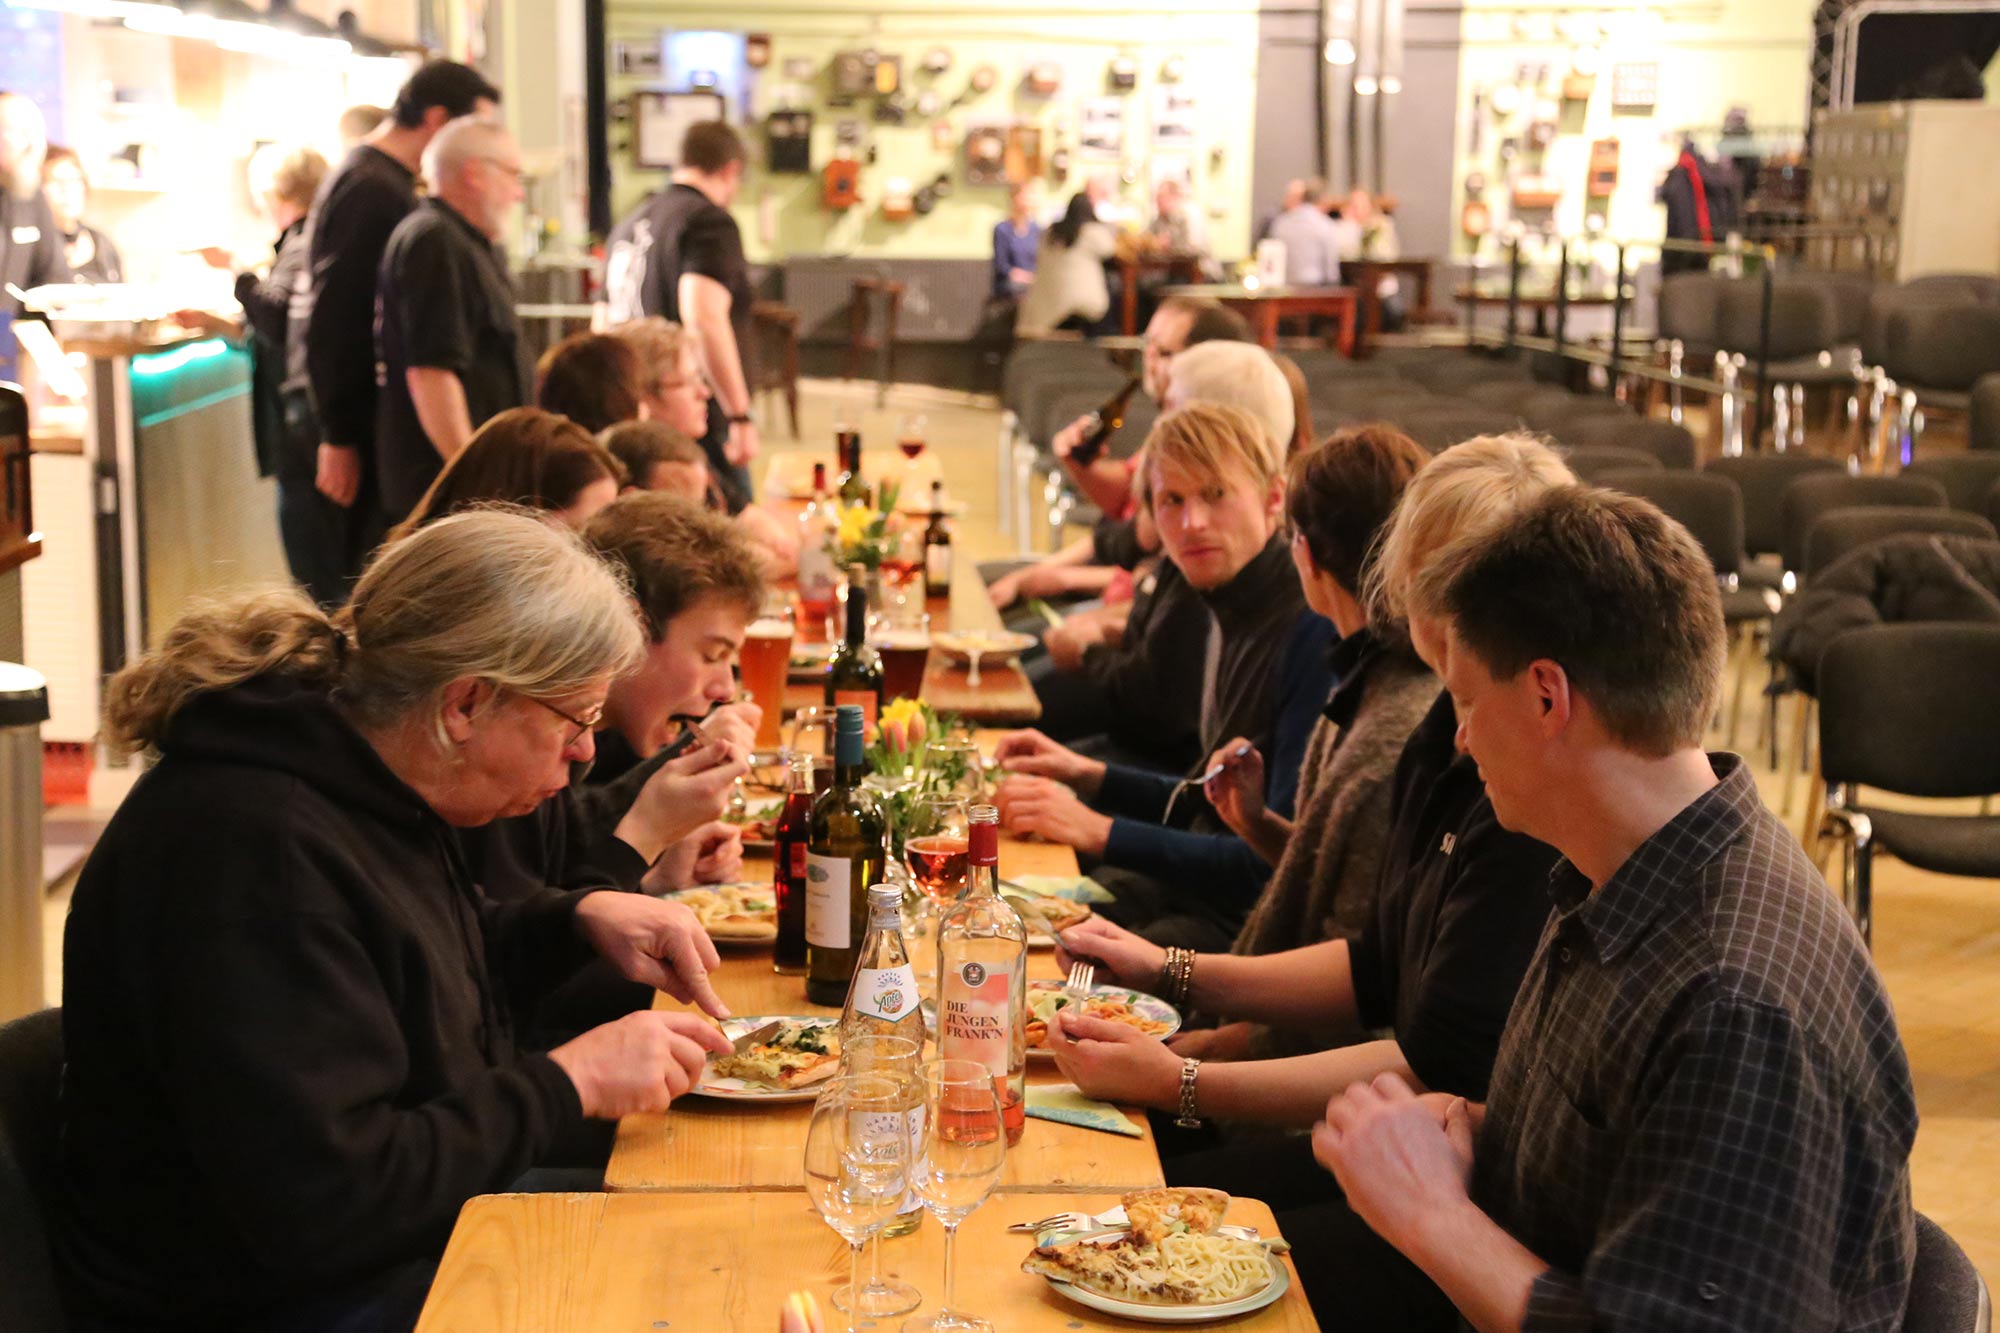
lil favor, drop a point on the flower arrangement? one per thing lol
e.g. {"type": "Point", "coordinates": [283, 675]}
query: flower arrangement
{"type": "Point", "coordinates": [862, 534]}
{"type": "Point", "coordinates": [900, 736]}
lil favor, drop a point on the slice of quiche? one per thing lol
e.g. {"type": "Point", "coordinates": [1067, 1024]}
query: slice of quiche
{"type": "Point", "coordinates": [1123, 1268]}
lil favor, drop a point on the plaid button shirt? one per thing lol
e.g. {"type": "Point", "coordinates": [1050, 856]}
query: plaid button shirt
{"type": "Point", "coordinates": [1701, 1112]}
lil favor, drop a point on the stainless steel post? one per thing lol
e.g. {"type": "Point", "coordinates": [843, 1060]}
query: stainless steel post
{"type": "Point", "coordinates": [24, 706]}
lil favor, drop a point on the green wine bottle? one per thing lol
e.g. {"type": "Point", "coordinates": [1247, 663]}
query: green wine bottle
{"type": "Point", "coordinates": [854, 670]}
{"type": "Point", "coordinates": [844, 855]}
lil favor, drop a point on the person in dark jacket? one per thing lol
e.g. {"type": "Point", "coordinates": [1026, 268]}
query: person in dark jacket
{"type": "Point", "coordinates": [331, 347]}
{"type": "Point", "coordinates": [1458, 908]}
{"type": "Point", "coordinates": [1179, 875]}
{"type": "Point", "coordinates": [311, 526]}
{"type": "Point", "coordinates": [1890, 582]}
{"type": "Point", "coordinates": [289, 1011]}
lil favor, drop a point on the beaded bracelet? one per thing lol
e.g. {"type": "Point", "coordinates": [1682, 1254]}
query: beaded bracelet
{"type": "Point", "coordinates": [1177, 976]}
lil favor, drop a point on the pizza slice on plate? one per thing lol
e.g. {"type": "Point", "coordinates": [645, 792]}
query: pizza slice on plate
{"type": "Point", "coordinates": [796, 1056]}
{"type": "Point", "coordinates": [1123, 1268]}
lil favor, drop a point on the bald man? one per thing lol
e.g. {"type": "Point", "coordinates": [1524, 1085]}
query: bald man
{"type": "Point", "coordinates": [447, 341]}
{"type": "Point", "coordinates": [31, 250]}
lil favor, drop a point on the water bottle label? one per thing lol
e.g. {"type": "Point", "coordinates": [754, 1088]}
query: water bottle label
{"type": "Point", "coordinates": [973, 1005]}
{"type": "Point", "coordinates": [829, 902]}
{"type": "Point", "coordinates": [887, 993]}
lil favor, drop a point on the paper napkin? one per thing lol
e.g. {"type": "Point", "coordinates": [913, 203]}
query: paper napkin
{"type": "Point", "coordinates": [1063, 1103]}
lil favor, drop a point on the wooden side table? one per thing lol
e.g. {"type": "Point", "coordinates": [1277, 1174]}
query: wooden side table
{"type": "Point", "coordinates": [776, 329]}
{"type": "Point", "coordinates": [870, 293]}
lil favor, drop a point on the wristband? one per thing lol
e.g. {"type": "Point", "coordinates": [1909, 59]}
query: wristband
{"type": "Point", "coordinates": [1187, 1118]}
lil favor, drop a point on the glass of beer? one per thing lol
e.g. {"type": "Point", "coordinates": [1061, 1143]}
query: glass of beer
{"type": "Point", "coordinates": [767, 656]}
{"type": "Point", "coordinates": [905, 648]}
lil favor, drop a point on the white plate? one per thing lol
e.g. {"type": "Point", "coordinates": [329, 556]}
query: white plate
{"type": "Point", "coordinates": [736, 1089]}
{"type": "Point", "coordinates": [1281, 1280]}
{"type": "Point", "coordinates": [991, 643]}
{"type": "Point", "coordinates": [1147, 1006]}
{"type": "Point", "coordinates": [737, 942]}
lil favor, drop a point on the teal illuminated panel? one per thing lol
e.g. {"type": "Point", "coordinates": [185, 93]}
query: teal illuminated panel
{"type": "Point", "coordinates": [187, 378]}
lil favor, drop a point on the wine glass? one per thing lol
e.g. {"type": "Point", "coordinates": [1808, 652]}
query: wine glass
{"type": "Point", "coordinates": [964, 1146]}
{"type": "Point", "coordinates": [935, 843]}
{"type": "Point", "coordinates": [911, 435]}
{"type": "Point", "coordinates": [879, 1055]}
{"type": "Point", "coordinates": [952, 766]}
{"type": "Point", "coordinates": [857, 1160]}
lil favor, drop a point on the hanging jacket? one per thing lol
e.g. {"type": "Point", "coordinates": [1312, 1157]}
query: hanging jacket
{"type": "Point", "coordinates": [1895, 581]}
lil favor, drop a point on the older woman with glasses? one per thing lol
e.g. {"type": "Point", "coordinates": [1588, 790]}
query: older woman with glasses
{"type": "Point", "coordinates": [290, 1048]}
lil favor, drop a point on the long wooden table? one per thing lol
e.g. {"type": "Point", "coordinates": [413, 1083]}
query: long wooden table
{"type": "Point", "coordinates": [699, 1263]}
{"type": "Point", "coordinates": [700, 1145]}
{"type": "Point", "coordinates": [1264, 307]}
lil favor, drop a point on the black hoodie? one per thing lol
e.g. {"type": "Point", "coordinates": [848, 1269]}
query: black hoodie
{"type": "Point", "coordinates": [288, 1058]}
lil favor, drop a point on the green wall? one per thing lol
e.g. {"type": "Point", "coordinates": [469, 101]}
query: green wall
{"type": "Point", "coordinates": [782, 214]}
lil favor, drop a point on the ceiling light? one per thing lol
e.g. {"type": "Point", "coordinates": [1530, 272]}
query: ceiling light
{"type": "Point", "coordinates": [1339, 51]}
{"type": "Point", "coordinates": [1365, 85]}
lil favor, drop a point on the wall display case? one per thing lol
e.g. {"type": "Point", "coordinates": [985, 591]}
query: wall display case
{"type": "Point", "coordinates": [661, 120]}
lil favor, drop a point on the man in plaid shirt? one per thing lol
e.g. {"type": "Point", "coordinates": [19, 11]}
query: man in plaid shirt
{"type": "Point", "coordinates": [1700, 1116]}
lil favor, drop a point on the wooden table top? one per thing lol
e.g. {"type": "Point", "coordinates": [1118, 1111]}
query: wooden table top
{"type": "Point", "coordinates": [702, 1145]}
{"type": "Point", "coordinates": [1227, 292]}
{"type": "Point", "coordinates": [692, 1263]}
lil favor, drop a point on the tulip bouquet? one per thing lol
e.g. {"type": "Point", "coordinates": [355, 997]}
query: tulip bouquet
{"type": "Point", "coordinates": [862, 537]}
{"type": "Point", "coordinates": [896, 762]}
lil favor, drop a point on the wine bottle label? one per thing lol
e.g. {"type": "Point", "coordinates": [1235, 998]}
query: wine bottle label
{"type": "Point", "coordinates": [885, 992]}
{"type": "Point", "coordinates": [973, 1001]}
{"type": "Point", "coordinates": [937, 565]}
{"type": "Point", "coordinates": [829, 901]}
{"type": "Point", "coordinates": [865, 698]}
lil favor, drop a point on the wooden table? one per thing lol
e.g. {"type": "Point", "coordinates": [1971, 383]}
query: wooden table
{"type": "Point", "coordinates": [1366, 275]}
{"type": "Point", "coordinates": [1264, 307]}
{"type": "Point", "coordinates": [1182, 266]}
{"type": "Point", "coordinates": [1540, 300]}
{"type": "Point", "coordinates": [706, 1146]}
{"type": "Point", "coordinates": [696, 1263]}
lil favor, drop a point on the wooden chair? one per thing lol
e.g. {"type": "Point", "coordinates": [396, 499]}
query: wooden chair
{"type": "Point", "coordinates": [862, 338]}
{"type": "Point", "coordinates": [776, 329]}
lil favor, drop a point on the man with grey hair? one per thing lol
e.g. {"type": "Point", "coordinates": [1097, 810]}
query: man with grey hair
{"type": "Point", "coordinates": [31, 250]}
{"type": "Point", "coordinates": [447, 341]}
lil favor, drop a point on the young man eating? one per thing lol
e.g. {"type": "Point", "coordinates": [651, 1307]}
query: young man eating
{"type": "Point", "coordinates": [1701, 1112]}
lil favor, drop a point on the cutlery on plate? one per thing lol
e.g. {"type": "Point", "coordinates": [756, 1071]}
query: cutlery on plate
{"type": "Point", "coordinates": [755, 1036]}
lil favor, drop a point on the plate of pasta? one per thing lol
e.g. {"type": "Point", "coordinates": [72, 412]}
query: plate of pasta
{"type": "Point", "coordinates": [1172, 1261]}
{"type": "Point", "coordinates": [1115, 1004]}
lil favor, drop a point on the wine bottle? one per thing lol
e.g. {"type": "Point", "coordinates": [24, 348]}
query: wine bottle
{"type": "Point", "coordinates": [845, 853]}
{"type": "Point", "coordinates": [853, 489]}
{"type": "Point", "coordinates": [884, 1002]}
{"type": "Point", "coordinates": [789, 845]}
{"type": "Point", "coordinates": [937, 548]}
{"type": "Point", "coordinates": [854, 671]}
{"type": "Point", "coordinates": [983, 976]}
{"type": "Point", "coordinates": [1104, 423]}
{"type": "Point", "coordinates": [819, 576]}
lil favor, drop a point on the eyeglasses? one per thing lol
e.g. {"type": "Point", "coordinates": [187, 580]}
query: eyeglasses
{"type": "Point", "coordinates": [588, 722]}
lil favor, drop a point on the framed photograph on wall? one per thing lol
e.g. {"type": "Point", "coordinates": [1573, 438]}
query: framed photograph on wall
{"type": "Point", "coordinates": [661, 120]}
{"type": "Point", "coordinates": [1174, 118]}
{"type": "Point", "coordinates": [1103, 127]}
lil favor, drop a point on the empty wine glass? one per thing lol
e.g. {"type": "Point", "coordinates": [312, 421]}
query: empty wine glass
{"type": "Point", "coordinates": [964, 1146]}
{"type": "Point", "coordinates": [879, 1055]}
{"type": "Point", "coordinates": [857, 1160]}
{"type": "Point", "coordinates": [952, 766]}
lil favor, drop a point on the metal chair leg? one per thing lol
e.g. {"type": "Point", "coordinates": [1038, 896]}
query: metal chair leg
{"type": "Point", "coordinates": [1741, 651]}
{"type": "Point", "coordinates": [1856, 835]}
{"type": "Point", "coordinates": [1053, 508]}
{"type": "Point", "coordinates": [1906, 428]}
{"type": "Point", "coordinates": [1798, 416]}
{"type": "Point", "coordinates": [1796, 752]}
{"type": "Point", "coordinates": [1024, 470]}
{"type": "Point", "coordinates": [1676, 354]}
{"type": "Point", "coordinates": [1003, 464]}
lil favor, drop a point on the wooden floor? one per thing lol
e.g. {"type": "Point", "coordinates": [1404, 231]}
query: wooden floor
{"type": "Point", "coordinates": [1937, 939]}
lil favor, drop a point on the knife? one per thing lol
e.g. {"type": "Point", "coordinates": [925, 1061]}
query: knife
{"type": "Point", "coordinates": [756, 1036]}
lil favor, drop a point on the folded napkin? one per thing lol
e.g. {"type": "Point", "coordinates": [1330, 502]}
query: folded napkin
{"type": "Point", "coordinates": [1076, 888]}
{"type": "Point", "coordinates": [1063, 1103]}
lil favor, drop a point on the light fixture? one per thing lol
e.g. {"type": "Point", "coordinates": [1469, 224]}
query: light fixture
{"type": "Point", "coordinates": [1392, 84]}
{"type": "Point", "coordinates": [1365, 85]}
{"type": "Point", "coordinates": [104, 9]}
{"type": "Point", "coordinates": [317, 37]}
{"type": "Point", "coordinates": [1339, 51]}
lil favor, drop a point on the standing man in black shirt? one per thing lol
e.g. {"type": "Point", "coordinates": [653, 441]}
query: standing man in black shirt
{"type": "Point", "coordinates": [330, 384]}
{"type": "Point", "coordinates": [447, 340]}
{"type": "Point", "coordinates": [680, 255]}
{"type": "Point", "coordinates": [1700, 1113]}
{"type": "Point", "coordinates": [31, 250]}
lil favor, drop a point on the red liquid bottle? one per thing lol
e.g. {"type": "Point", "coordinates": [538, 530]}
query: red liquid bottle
{"type": "Point", "coordinates": [788, 862]}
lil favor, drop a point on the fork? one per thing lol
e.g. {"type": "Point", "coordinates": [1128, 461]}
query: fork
{"type": "Point", "coordinates": [1082, 976]}
{"type": "Point", "coordinates": [1066, 1221]}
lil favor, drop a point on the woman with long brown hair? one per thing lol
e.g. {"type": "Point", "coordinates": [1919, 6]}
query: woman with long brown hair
{"type": "Point", "coordinates": [527, 457]}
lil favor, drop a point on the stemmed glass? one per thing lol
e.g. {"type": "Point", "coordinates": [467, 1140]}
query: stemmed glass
{"type": "Point", "coordinates": [857, 1160]}
{"type": "Point", "coordinates": [952, 765]}
{"type": "Point", "coordinates": [964, 1147]}
{"type": "Point", "coordinates": [879, 1055]}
